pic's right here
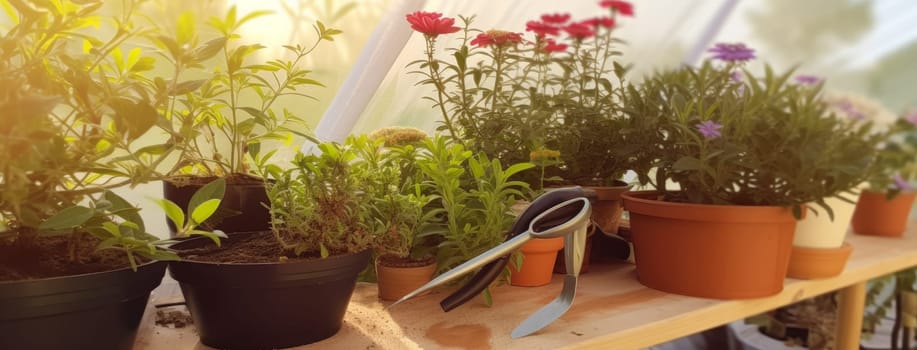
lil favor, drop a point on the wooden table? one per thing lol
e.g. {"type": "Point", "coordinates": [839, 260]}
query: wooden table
{"type": "Point", "coordinates": [611, 311]}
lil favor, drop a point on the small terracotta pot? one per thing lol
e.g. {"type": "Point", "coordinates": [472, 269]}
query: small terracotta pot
{"type": "Point", "coordinates": [607, 208]}
{"type": "Point", "coordinates": [538, 262]}
{"type": "Point", "coordinates": [710, 251]}
{"type": "Point", "coordinates": [396, 282]}
{"type": "Point", "coordinates": [876, 215]}
{"type": "Point", "coordinates": [811, 263]}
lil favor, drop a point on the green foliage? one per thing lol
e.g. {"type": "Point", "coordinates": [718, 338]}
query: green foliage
{"type": "Point", "coordinates": [878, 303]}
{"type": "Point", "coordinates": [211, 126]}
{"type": "Point", "coordinates": [895, 168]}
{"type": "Point", "coordinates": [473, 196]}
{"type": "Point", "coordinates": [509, 99]}
{"type": "Point", "coordinates": [203, 204]}
{"type": "Point", "coordinates": [778, 144]}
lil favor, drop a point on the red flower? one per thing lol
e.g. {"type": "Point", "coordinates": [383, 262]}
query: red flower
{"type": "Point", "coordinates": [432, 23]}
{"type": "Point", "coordinates": [496, 37]}
{"type": "Point", "coordinates": [606, 22]}
{"type": "Point", "coordinates": [557, 18]}
{"type": "Point", "coordinates": [623, 7]}
{"type": "Point", "coordinates": [541, 29]}
{"type": "Point", "coordinates": [579, 30]}
{"type": "Point", "coordinates": [553, 46]}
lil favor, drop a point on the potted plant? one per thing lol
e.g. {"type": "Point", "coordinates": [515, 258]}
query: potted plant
{"type": "Point", "coordinates": [405, 225]}
{"type": "Point", "coordinates": [473, 196]}
{"type": "Point", "coordinates": [748, 155]}
{"type": "Point", "coordinates": [884, 207]}
{"type": "Point", "coordinates": [75, 257]}
{"type": "Point", "coordinates": [217, 125]}
{"type": "Point", "coordinates": [512, 99]}
{"type": "Point", "coordinates": [819, 250]}
{"type": "Point", "coordinates": [894, 292]}
{"type": "Point", "coordinates": [291, 285]}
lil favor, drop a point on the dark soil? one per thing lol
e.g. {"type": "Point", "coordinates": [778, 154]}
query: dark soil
{"type": "Point", "coordinates": [49, 257]}
{"type": "Point", "coordinates": [259, 247]}
{"type": "Point", "coordinates": [173, 318]}
{"type": "Point", "coordinates": [392, 261]}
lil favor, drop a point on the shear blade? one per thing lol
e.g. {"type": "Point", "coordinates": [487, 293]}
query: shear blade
{"type": "Point", "coordinates": [549, 313]}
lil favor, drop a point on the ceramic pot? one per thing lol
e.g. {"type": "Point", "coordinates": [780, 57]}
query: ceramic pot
{"type": "Point", "coordinates": [812, 263]}
{"type": "Point", "coordinates": [395, 281]}
{"type": "Point", "coordinates": [710, 251]}
{"type": "Point", "coordinates": [876, 215]}
{"type": "Point", "coordinates": [538, 262]}
{"type": "Point", "coordinates": [819, 231]}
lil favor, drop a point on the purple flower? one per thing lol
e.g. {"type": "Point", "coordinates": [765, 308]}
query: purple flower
{"type": "Point", "coordinates": [901, 183]}
{"type": "Point", "coordinates": [737, 52]}
{"type": "Point", "coordinates": [736, 76]}
{"type": "Point", "coordinates": [805, 79]}
{"type": "Point", "coordinates": [911, 118]}
{"type": "Point", "coordinates": [710, 129]}
{"type": "Point", "coordinates": [851, 111]}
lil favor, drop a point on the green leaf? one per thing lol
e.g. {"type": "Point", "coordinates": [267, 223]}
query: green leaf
{"type": "Point", "coordinates": [186, 29]}
{"type": "Point", "coordinates": [187, 87]}
{"type": "Point", "coordinates": [209, 49]}
{"type": "Point", "coordinates": [688, 163]}
{"type": "Point", "coordinates": [203, 211]}
{"type": "Point", "coordinates": [134, 117]}
{"type": "Point", "coordinates": [119, 207]}
{"type": "Point", "coordinates": [173, 212]}
{"type": "Point", "coordinates": [213, 190]}
{"type": "Point", "coordinates": [214, 236]}
{"type": "Point", "coordinates": [324, 250]}
{"type": "Point", "coordinates": [68, 218]}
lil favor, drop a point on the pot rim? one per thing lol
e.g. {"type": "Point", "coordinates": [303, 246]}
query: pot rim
{"type": "Point", "coordinates": [192, 240]}
{"type": "Point", "coordinates": [88, 274]}
{"type": "Point", "coordinates": [637, 203]}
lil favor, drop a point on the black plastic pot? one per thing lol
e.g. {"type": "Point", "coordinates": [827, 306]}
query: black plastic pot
{"type": "Point", "coordinates": [241, 209]}
{"type": "Point", "coordinates": [267, 305]}
{"type": "Point", "coordinates": [92, 311]}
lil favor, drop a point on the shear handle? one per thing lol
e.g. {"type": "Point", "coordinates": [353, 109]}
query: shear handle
{"type": "Point", "coordinates": [487, 274]}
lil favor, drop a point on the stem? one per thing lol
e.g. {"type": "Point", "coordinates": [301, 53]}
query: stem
{"type": "Point", "coordinates": [440, 88]}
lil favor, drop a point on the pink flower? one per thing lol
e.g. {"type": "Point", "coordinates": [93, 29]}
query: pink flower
{"type": "Point", "coordinates": [623, 7]}
{"type": "Point", "coordinates": [579, 30]}
{"type": "Point", "coordinates": [496, 37]}
{"type": "Point", "coordinates": [432, 23]}
{"type": "Point", "coordinates": [911, 118]}
{"type": "Point", "coordinates": [541, 29]}
{"type": "Point", "coordinates": [606, 22]}
{"type": "Point", "coordinates": [557, 18]}
{"type": "Point", "coordinates": [553, 46]}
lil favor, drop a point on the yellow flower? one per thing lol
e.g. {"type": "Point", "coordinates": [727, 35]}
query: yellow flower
{"type": "Point", "coordinates": [398, 135]}
{"type": "Point", "coordinates": [544, 154]}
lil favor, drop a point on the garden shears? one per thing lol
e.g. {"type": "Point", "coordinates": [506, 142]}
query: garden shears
{"type": "Point", "coordinates": [560, 213]}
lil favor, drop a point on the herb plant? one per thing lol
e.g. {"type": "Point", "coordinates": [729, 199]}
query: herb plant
{"type": "Point", "coordinates": [726, 136]}
{"type": "Point", "coordinates": [895, 169]}
{"type": "Point", "coordinates": [72, 119]}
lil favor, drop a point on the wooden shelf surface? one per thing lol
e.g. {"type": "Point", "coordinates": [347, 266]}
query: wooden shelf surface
{"type": "Point", "coordinates": [612, 310]}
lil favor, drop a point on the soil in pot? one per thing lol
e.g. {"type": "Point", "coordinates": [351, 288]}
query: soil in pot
{"type": "Point", "coordinates": [249, 294]}
{"type": "Point", "coordinates": [241, 210]}
{"type": "Point", "coordinates": [42, 292]}
{"type": "Point", "coordinates": [710, 251]}
{"type": "Point", "coordinates": [537, 263]}
{"type": "Point", "coordinates": [397, 277]}
{"type": "Point", "coordinates": [876, 215]}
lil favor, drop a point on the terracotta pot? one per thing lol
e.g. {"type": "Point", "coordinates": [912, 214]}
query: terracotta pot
{"type": "Point", "coordinates": [607, 208]}
{"type": "Point", "coordinates": [876, 215]}
{"type": "Point", "coordinates": [396, 282]}
{"type": "Point", "coordinates": [811, 263]}
{"type": "Point", "coordinates": [710, 251]}
{"type": "Point", "coordinates": [538, 262]}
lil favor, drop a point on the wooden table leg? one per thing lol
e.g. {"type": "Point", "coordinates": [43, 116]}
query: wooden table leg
{"type": "Point", "coordinates": [850, 316]}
